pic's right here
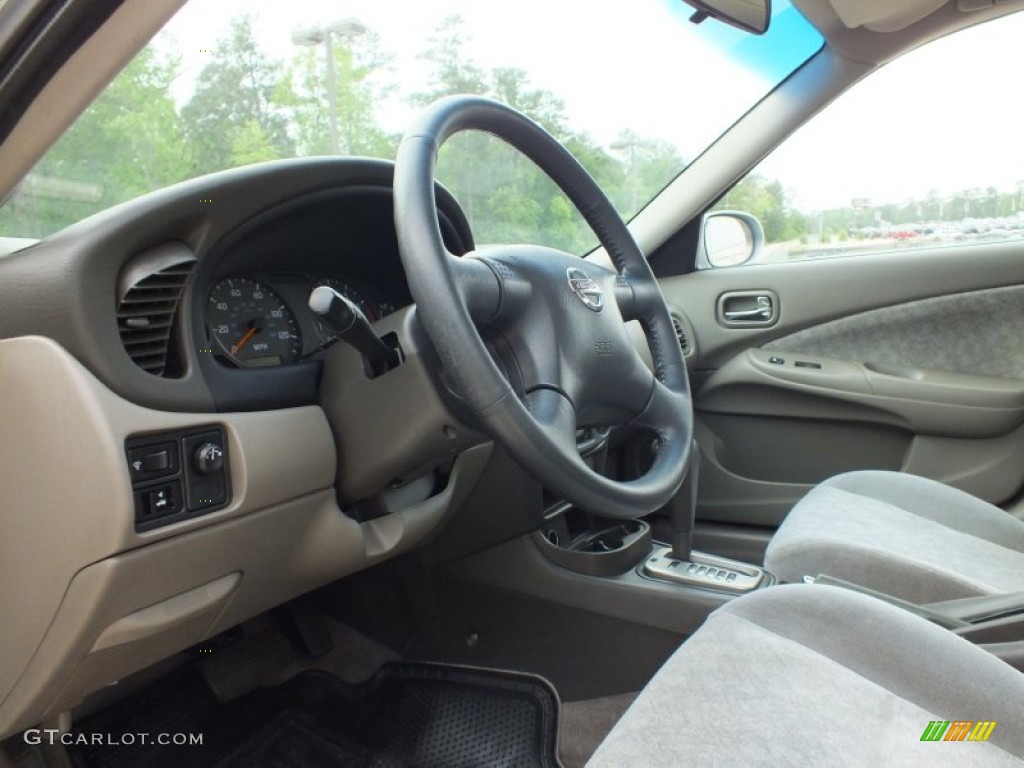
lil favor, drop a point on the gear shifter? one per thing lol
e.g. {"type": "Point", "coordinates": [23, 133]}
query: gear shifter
{"type": "Point", "coordinates": [683, 509]}
{"type": "Point", "coordinates": [679, 564]}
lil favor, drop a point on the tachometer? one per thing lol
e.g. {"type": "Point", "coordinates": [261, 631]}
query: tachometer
{"type": "Point", "coordinates": [250, 325]}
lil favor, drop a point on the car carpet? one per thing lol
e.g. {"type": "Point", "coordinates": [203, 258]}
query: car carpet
{"type": "Point", "coordinates": [406, 715]}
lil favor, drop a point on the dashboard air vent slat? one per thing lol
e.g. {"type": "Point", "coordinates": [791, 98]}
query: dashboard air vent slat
{"type": "Point", "coordinates": [148, 336]}
{"type": "Point", "coordinates": [145, 314]}
{"type": "Point", "coordinates": [148, 301]}
{"type": "Point", "coordinates": [681, 335]}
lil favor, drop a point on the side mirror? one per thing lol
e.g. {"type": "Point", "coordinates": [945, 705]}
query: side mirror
{"type": "Point", "coordinates": [730, 238]}
{"type": "Point", "coordinates": [748, 15]}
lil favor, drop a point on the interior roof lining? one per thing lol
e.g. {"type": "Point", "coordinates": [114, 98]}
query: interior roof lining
{"type": "Point", "coordinates": [866, 45]}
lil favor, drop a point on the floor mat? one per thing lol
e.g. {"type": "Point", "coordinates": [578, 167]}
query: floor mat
{"type": "Point", "coordinates": [406, 715]}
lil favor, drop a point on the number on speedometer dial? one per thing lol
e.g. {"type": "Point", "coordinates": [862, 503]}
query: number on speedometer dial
{"type": "Point", "coordinates": [250, 325]}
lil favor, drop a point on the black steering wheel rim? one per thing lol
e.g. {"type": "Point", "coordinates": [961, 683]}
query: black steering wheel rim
{"type": "Point", "coordinates": [537, 426]}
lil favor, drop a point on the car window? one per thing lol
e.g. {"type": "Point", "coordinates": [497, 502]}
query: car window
{"type": "Point", "coordinates": [922, 154]}
{"type": "Point", "coordinates": [233, 82]}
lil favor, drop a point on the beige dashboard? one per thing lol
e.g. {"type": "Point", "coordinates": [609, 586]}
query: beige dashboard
{"type": "Point", "coordinates": [86, 599]}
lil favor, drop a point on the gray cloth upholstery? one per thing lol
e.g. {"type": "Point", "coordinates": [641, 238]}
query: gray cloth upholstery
{"type": "Point", "coordinates": [907, 536]}
{"type": "Point", "coordinates": [811, 675]}
{"type": "Point", "coordinates": [977, 332]}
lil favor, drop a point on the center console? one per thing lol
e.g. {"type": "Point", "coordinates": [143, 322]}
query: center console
{"type": "Point", "coordinates": [611, 574]}
{"type": "Point", "coordinates": [596, 546]}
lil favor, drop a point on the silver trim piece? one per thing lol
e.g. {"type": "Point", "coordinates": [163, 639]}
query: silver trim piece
{"type": "Point", "coordinates": [763, 312]}
{"type": "Point", "coordinates": [703, 570]}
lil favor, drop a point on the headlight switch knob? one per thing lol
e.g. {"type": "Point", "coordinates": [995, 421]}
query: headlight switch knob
{"type": "Point", "coordinates": [208, 458]}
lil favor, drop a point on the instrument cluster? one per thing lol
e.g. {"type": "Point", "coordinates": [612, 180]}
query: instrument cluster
{"type": "Point", "coordinates": [255, 321]}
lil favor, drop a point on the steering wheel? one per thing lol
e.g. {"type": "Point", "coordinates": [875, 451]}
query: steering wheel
{"type": "Point", "coordinates": [561, 355]}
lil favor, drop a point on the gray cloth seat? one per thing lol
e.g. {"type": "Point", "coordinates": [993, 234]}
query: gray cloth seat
{"type": "Point", "coordinates": [811, 675]}
{"type": "Point", "coordinates": [904, 535]}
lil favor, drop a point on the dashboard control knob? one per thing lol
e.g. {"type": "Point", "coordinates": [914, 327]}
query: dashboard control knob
{"type": "Point", "coordinates": [208, 458]}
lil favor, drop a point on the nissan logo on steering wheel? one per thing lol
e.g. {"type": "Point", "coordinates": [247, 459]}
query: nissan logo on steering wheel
{"type": "Point", "coordinates": [587, 289]}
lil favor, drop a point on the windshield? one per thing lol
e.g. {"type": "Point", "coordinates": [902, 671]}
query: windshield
{"type": "Point", "coordinates": [634, 90]}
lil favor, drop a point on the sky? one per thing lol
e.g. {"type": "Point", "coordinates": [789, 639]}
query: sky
{"type": "Point", "coordinates": [613, 70]}
{"type": "Point", "coordinates": [947, 116]}
{"type": "Point", "coordinates": [927, 121]}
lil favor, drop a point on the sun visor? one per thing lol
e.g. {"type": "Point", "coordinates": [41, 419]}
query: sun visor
{"type": "Point", "coordinates": [883, 15]}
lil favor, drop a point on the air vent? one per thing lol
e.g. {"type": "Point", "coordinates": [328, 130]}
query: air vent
{"type": "Point", "coordinates": [681, 335]}
{"type": "Point", "coordinates": [148, 301]}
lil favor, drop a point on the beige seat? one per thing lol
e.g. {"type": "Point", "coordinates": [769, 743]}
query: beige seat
{"type": "Point", "coordinates": [810, 675]}
{"type": "Point", "coordinates": [907, 536]}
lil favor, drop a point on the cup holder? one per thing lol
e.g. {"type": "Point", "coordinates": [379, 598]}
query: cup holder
{"type": "Point", "coordinates": [594, 546]}
{"type": "Point", "coordinates": [608, 539]}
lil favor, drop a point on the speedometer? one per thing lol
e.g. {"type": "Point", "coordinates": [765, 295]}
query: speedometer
{"type": "Point", "coordinates": [250, 325]}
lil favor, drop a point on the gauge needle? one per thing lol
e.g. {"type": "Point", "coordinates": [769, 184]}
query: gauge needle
{"type": "Point", "coordinates": [243, 341]}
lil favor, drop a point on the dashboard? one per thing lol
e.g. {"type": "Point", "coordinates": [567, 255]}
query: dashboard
{"type": "Point", "coordinates": [162, 288]}
{"type": "Point", "coordinates": [161, 355]}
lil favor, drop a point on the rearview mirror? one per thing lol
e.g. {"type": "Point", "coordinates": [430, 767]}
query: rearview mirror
{"type": "Point", "coordinates": [749, 15]}
{"type": "Point", "coordinates": [729, 238]}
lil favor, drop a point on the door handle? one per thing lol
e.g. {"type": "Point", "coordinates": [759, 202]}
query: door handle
{"type": "Point", "coordinates": [748, 308]}
{"type": "Point", "coordinates": [764, 311]}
